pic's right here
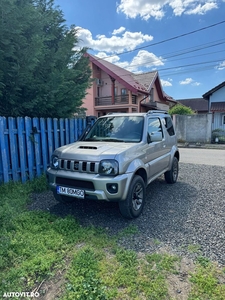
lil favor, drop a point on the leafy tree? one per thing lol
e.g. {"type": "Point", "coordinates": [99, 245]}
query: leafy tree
{"type": "Point", "coordinates": [180, 109]}
{"type": "Point", "coordinates": [41, 73]}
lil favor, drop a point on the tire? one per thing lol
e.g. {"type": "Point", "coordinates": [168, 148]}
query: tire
{"type": "Point", "coordinates": [62, 199]}
{"type": "Point", "coordinates": [172, 175]}
{"type": "Point", "coordinates": [133, 205]}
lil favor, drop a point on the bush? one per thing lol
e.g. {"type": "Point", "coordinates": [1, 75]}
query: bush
{"type": "Point", "coordinates": [220, 134]}
{"type": "Point", "coordinates": [180, 109]}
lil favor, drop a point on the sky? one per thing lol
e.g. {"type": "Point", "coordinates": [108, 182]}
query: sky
{"type": "Point", "coordinates": [184, 40]}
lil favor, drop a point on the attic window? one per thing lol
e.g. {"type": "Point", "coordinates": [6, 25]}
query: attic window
{"type": "Point", "coordinates": [151, 96]}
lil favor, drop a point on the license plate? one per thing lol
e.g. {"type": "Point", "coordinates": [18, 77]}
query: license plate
{"type": "Point", "coordinates": [77, 193]}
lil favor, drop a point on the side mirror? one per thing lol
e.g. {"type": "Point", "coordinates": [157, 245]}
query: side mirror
{"type": "Point", "coordinates": [154, 137]}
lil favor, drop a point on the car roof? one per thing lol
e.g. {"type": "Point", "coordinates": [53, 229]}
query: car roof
{"type": "Point", "coordinates": [150, 112]}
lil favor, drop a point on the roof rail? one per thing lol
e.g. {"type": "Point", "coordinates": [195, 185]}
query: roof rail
{"type": "Point", "coordinates": [113, 113]}
{"type": "Point", "coordinates": [157, 111]}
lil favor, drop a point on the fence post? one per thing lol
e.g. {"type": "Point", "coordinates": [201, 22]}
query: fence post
{"type": "Point", "coordinates": [22, 149]}
{"type": "Point", "coordinates": [37, 142]}
{"type": "Point", "coordinates": [29, 139]}
{"type": "Point", "coordinates": [5, 168]}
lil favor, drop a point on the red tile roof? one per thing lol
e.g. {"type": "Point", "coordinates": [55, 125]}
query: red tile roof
{"type": "Point", "coordinates": [134, 82]}
{"type": "Point", "coordinates": [217, 106]}
{"type": "Point", "coordinates": [196, 104]}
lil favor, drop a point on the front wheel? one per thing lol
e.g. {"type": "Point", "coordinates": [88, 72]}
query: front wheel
{"type": "Point", "coordinates": [172, 174]}
{"type": "Point", "coordinates": [134, 203]}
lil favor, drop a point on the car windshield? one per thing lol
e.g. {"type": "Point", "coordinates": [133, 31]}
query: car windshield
{"type": "Point", "coordinates": [117, 129]}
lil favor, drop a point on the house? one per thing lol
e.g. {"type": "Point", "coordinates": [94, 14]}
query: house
{"type": "Point", "coordinates": [216, 100]}
{"type": "Point", "coordinates": [115, 89]}
{"type": "Point", "coordinates": [198, 105]}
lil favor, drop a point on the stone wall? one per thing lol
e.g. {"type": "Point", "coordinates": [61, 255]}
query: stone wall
{"type": "Point", "coordinates": [193, 128]}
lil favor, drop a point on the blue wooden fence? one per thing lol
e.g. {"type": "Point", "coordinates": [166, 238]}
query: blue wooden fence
{"type": "Point", "coordinates": [26, 144]}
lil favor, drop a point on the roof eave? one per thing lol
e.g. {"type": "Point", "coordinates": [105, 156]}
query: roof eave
{"type": "Point", "coordinates": [213, 90]}
{"type": "Point", "coordinates": [113, 75]}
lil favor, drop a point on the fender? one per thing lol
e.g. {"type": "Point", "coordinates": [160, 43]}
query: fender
{"type": "Point", "coordinates": [174, 152]}
{"type": "Point", "coordinates": [135, 165]}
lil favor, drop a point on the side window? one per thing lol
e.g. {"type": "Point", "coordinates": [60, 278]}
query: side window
{"type": "Point", "coordinates": [169, 126]}
{"type": "Point", "coordinates": [155, 133]}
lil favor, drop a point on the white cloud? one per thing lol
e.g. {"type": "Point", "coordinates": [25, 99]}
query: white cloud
{"type": "Point", "coordinates": [166, 82]}
{"type": "Point", "coordinates": [113, 44]}
{"type": "Point", "coordinates": [147, 59]}
{"type": "Point", "coordinates": [221, 66]}
{"type": "Point", "coordinates": [196, 83]}
{"type": "Point", "coordinates": [157, 8]}
{"type": "Point", "coordinates": [142, 61]}
{"type": "Point", "coordinates": [186, 81]}
{"type": "Point", "coordinates": [118, 31]}
{"type": "Point", "coordinates": [142, 8]}
{"type": "Point", "coordinates": [202, 9]}
{"type": "Point", "coordinates": [189, 81]}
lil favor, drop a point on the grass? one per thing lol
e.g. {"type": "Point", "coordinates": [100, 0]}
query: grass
{"type": "Point", "coordinates": [36, 246]}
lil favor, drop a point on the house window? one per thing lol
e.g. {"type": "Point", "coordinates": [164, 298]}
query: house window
{"type": "Point", "coordinates": [223, 119]}
{"type": "Point", "coordinates": [123, 92]}
{"type": "Point", "coordinates": [123, 95]}
{"type": "Point", "coordinates": [115, 91]}
{"type": "Point", "coordinates": [151, 96]}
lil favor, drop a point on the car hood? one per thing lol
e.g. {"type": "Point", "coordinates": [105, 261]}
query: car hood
{"type": "Point", "coordinates": [92, 150]}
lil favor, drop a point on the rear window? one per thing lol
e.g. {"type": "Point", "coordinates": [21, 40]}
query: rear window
{"type": "Point", "coordinates": [169, 126]}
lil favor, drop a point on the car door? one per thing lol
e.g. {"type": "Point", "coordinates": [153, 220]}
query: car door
{"type": "Point", "coordinates": [157, 153]}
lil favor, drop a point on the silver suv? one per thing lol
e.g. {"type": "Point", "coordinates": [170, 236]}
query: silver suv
{"type": "Point", "coordinates": [116, 159]}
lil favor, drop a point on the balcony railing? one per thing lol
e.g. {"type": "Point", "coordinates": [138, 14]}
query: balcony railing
{"type": "Point", "coordinates": [119, 100]}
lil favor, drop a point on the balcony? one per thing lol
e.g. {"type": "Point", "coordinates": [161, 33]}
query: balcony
{"type": "Point", "coordinates": [119, 100]}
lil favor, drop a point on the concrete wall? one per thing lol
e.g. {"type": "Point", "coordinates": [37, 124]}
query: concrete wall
{"type": "Point", "coordinates": [193, 128]}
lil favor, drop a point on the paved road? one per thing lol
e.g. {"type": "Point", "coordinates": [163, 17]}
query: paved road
{"type": "Point", "coordinates": [213, 157]}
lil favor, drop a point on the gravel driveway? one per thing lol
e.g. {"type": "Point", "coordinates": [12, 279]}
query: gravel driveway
{"type": "Point", "coordinates": [187, 218]}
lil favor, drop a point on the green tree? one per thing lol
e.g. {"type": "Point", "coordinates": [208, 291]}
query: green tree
{"type": "Point", "coordinates": [180, 109]}
{"type": "Point", "coordinates": [41, 73]}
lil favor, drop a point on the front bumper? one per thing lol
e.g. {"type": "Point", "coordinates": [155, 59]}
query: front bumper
{"type": "Point", "coordinates": [94, 185]}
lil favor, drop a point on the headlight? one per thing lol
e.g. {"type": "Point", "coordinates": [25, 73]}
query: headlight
{"type": "Point", "coordinates": [55, 162]}
{"type": "Point", "coordinates": [108, 167]}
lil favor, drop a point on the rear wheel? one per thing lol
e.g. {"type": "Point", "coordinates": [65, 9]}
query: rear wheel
{"type": "Point", "coordinates": [134, 203]}
{"type": "Point", "coordinates": [172, 174]}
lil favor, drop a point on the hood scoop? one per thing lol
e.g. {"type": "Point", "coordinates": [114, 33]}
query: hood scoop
{"type": "Point", "coordinates": [88, 147]}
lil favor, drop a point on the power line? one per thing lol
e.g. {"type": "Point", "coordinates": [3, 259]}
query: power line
{"type": "Point", "coordinates": [192, 70]}
{"type": "Point", "coordinates": [171, 55]}
{"type": "Point", "coordinates": [182, 53]}
{"type": "Point", "coordinates": [182, 71]}
{"type": "Point", "coordinates": [177, 67]}
{"type": "Point", "coordinates": [166, 40]}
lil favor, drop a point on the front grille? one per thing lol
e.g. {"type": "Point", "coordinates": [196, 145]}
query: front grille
{"type": "Point", "coordinates": [80, 184]}
{"type": "Point", "coordinates": [78, 166]}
